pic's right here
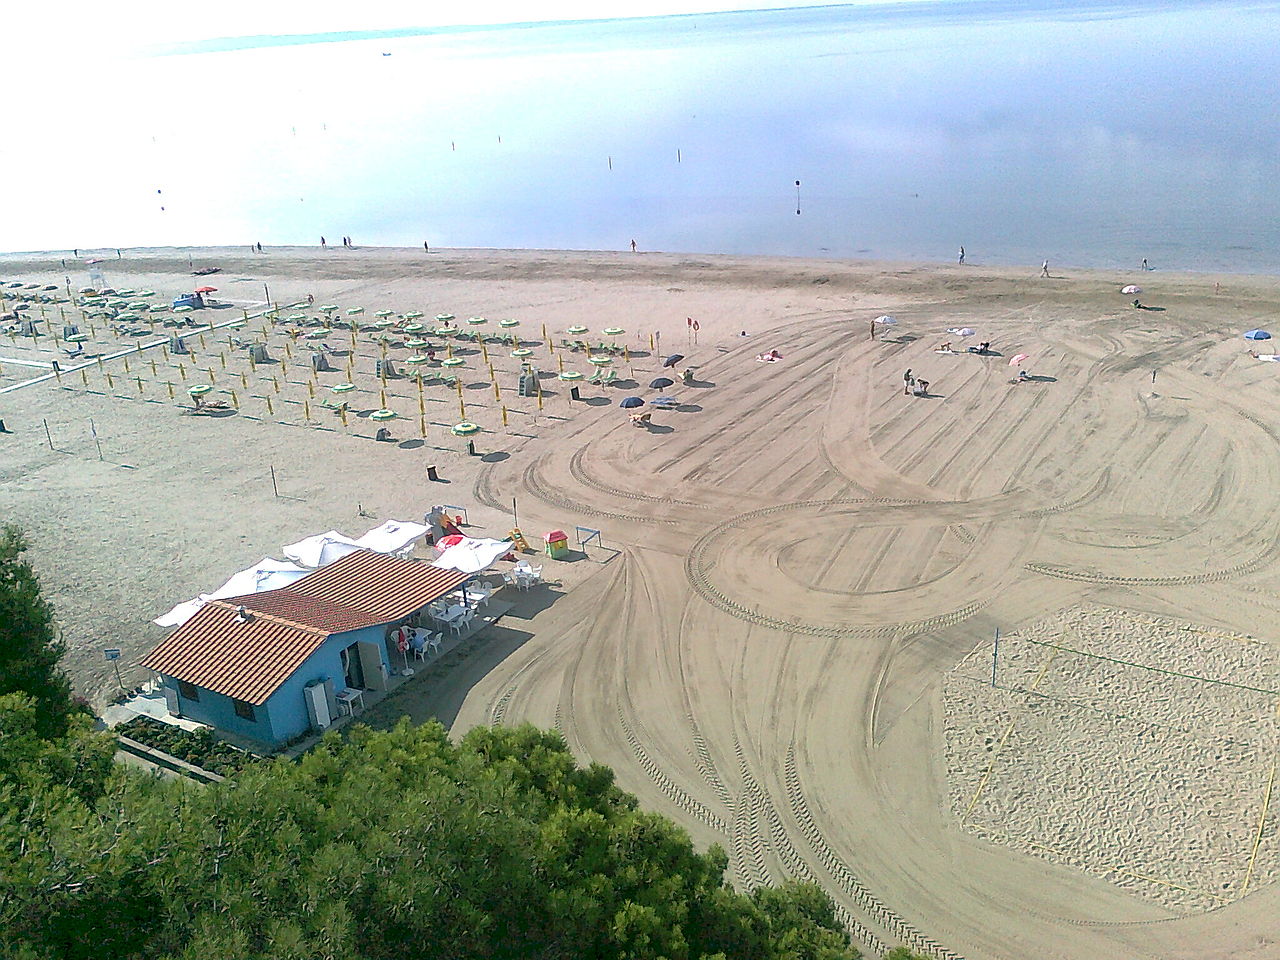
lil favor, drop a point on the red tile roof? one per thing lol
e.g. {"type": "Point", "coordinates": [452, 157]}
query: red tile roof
{"type": "Point", "coordinates": [248, 658]}
{"type": "Point", "coordinates": [386, 587]}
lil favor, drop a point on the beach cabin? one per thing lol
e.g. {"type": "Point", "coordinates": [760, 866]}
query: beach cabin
{"type": "Point", "coordinates": [275, 665]}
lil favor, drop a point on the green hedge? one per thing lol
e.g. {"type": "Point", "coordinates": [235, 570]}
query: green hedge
{"type": "Point", "coordinates": [197, 747]}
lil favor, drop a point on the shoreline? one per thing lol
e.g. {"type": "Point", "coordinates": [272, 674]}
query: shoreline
{"type": "Point", "coordinates": [51, 260]}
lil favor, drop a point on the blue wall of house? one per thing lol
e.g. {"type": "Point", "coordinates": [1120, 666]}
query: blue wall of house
{"type": "Point", "coordinates": [219, 711]}
{"type": "Point", "coordinates": [284, 715]}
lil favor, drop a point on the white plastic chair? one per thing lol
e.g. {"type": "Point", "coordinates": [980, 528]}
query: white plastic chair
{"type": "Point", "coordinates": [434, 643]}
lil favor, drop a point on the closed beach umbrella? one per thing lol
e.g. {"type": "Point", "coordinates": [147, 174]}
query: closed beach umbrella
{"type": "Point", "coordinates": [1257, 335]}
{"type": "Point", "coordinates": [630, 403]}
{"type": "Point", "coordinates": [1131, 288]}
{"type": "Point", "coordinates": [661, 383]}
{"type": "Point", "coordinates": [1019, 358]}
{"type": "Point", "coordinates": [672, 360]}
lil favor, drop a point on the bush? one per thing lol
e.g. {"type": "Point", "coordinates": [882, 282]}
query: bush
{"type": "Point", "coordinates": [197, 747]}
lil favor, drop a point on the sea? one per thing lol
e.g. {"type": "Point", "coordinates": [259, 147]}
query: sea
{"type": "Point", "coordinates": [1090, 134]}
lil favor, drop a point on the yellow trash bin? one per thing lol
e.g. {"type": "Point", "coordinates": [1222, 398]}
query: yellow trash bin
{"type": "Point", "coordinates": [557, 544]}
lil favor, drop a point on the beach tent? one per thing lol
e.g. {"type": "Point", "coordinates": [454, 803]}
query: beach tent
{"type": "Point", "coordinates": [266, 574]}
{"type": "Point", "coordinates": [393, 536]}
{"type": "Point", "coordinates": [471, 555]}
{"type": "Point", "coordinates": [322, 549]}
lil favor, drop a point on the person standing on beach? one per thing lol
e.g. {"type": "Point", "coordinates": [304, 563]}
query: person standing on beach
{"type": "Point", "coordinates": [907, 380]}
{"type": "Point", "coordinates": [323, 245]}
{"type": "Point", "coordinates": [1144, 264]}
{"type": "Point", "coordinates": [962, 256]}
{"type": "Point", "coordinates": [259, 247]}
{"type": "Point", "coordinates": [425, 248]}
{"type": "Point", "coordinates": [1044, 269]}
{"type": "Point", "coordinates": [633, 246]}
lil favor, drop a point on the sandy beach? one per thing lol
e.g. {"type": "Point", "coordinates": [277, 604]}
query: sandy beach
{"type": "Point", "coordinates": [785, 640]}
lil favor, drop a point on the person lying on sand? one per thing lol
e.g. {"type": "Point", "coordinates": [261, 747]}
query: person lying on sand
{"type": "Point", "coordinates": [773, 356]}
{"type": "Point", "coordinates": [1268, 357]}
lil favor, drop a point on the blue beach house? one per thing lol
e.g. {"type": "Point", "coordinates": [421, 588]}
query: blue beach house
{"type": "Point", "coordinates": [274, 665]}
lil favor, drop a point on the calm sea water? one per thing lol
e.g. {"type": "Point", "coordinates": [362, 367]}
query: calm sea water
{"type": "Point", "coordinates": [1091, 135]}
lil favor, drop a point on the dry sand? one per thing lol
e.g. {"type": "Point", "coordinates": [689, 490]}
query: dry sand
{"type": "Point", "coordinates": [786, 652]}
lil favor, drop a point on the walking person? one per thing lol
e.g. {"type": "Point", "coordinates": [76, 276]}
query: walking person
{"type": "Point", "coordinates": [962, 256]}
{"type": "Point", "coordinates": [633, 246]}
{"type": "Point", "coordinates": [1044, 269]}
{"type": "Point", "coordinates": [907, 382]}
{"type": "Point", "coordinates": [1144, 264]}
{"type": "Point", "coordinates": [323, 245]}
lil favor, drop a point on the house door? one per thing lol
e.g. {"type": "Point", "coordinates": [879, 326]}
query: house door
{"type": "Point", "coordinates": [352, 668]}
{"type": "Point", "coordinates": [371, 663]}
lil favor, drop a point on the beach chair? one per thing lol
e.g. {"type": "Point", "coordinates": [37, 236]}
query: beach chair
{"type": "Point", "coordinates": [609, 376]}
{"type": "Point", "coordinates": [334, 404]}
{"type": "Point", "coordinates": [596, 377]}
{"type": "Point", "coordinates": [449, 381]}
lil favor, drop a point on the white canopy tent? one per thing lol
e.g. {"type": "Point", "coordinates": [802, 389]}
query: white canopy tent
{"type": "Point", "coordinates": [266, 574]}
{"type": "Point", "coordinates": [394, 536]}
{"type": "Point", "coordinates": [472, 555]}
{"type": "Point", "coordinates": [322, 549]}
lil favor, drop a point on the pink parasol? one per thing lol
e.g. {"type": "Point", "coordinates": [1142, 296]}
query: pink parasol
{"type": "Point", "coordinates": [1018, 358]}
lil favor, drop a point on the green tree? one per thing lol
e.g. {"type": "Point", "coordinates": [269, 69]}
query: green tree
{"type": "Point", "coordinates": [396, 844]}
{"type": "Point", "coordinates": [29, 647]}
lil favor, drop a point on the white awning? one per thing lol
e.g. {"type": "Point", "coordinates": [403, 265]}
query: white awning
{"type": "Point", "coordinates": [266, 574]}
{"type": "Point", "coordinates": [393, 536]}
{"type": "Point", "coordinates": [322, 549]}
{"type": "Point", "coordinates": [472, 555]}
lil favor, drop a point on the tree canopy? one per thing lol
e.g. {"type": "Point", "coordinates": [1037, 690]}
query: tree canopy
{"type": "Point", "coordinates": [29, 647]}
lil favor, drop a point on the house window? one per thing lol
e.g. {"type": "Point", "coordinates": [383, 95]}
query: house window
{"type": "Point", "coordinates": [188, 691]}
{"type": "Point", "coordinates": [244, 710]}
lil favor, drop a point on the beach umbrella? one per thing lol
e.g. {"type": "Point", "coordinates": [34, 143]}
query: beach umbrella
{"type": "Point", "coordinates": [417, 359]}
{"type": "Point", "coordinates": [613, 331]}
{"type": "Point", "coordinates": [354, 311]}
{"type": "Point", "coordinates": [521, 353]}
{"type": "Point", "coordinates": [413, 328]}
{"type": "Point", "coordinates": [184, 309]}
{"type": "Point", "coordinates": [1019, 358]}
{"type": "Point", "coordinates": [343, 387]}
{"type": "Point", "coordinates": [413, 315]}
{"type": "Point", "coordinates": [328, 308]}
{"type": "Point", "coordinates": [416, 343]}
{"type": "Point", "coordinates": [383, 414]}
{"type": "Point", "coordinates": [885, 319]}
{"type": "Point", "coordinates": [508, 323]}
{"type": "Point", "coordinates": [477, 320]}
{"type": "Point", "coordinates": [672, 360]}
{"type": "Point", "coordinates": [570, 375]}
{"type": "Point", "coordinates": [445, 331]}
{"type": "Point", "coordinates": [464, 429]}
{"type": "Point", "coordinates": [630, 403]}
{"type": "Point", "coordinates": [600, 361]}
{"type": "Point", "coordinates": [662, 383]}
{"type": "Point", "coordinates": [452, 362]}
{"type": "Point", "coordinates": [452, 540]}
{"type": "Point", "coordinates": [664, 402]}
{"type": "Point", "coordinates": [1257, 335]}
{"type": "Point", "coordinates": [199, 390]}
{"type": "Point", "coordinates": [576, 329]}
{"type": "Point", "coordinates": [384, 322]}
{"type": "Point", "coordinates": [961, 331]}
{"type": "Point", "coordinates": [1131, 288]}
{"type": "Point", "coordinates": [383, 313]}
{"type": "Point", "coordinates": [206, 289]}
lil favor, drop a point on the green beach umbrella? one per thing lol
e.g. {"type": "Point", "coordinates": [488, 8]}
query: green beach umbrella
{"type": "Point", "coordinates": [522, 353]}
{"type": "Point", "coordinates": [453, 362]}
{"type": "Point", "coordinates": [600, 361]}
{"type": "Point", "coordinates": [415, 344]}
{"type": "Point", "coordinates": [413, 315]}
{"type": "Point", "coordinates": [570, 375]}
{"type": "Point", "coordinates": [577, 329]}
{"type": "Point", "coordinates": [477, 320]}
{"type": "Point", "coordinates": [444, 317]}
{"type": "Point", "coordinates": [383, 414]}
{"type": "Point", "coordinates": [383, 313]}
{"type": "Point", "coordinates": [413, 328]}
{"type": "Point", "coordinates": [416, 359]}
{"type": "Point", "coordinates": [354, 311]}
{"type": "Point", "coordinates": [328, 308]}
{"type": "Point", "coordinates": [199, 390]}
{"type": "Point", "coordinates": [465, 428]}
{"type": "Point", "coordinates": [508, 323]}
{"type": "Point", "coordinates": [343, 387]}
{"type": "Point", "coordinates": [613, 331]}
